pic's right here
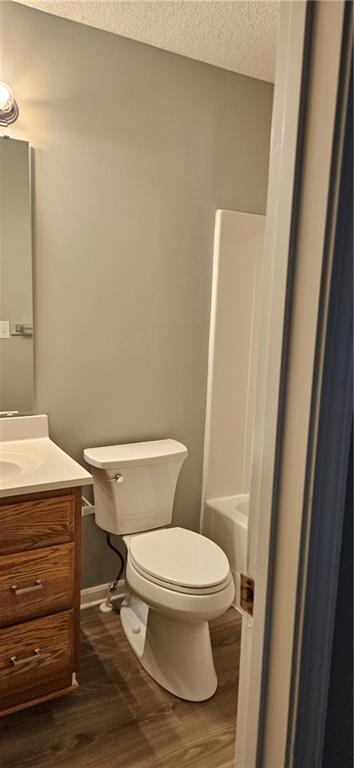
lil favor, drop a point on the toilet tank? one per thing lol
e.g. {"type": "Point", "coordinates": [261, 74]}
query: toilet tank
{"type": "Point", "coordinates": [134, 484]}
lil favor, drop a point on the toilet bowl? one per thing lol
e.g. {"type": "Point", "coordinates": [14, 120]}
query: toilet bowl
{"type": "Point", "coordinates": [177, 580]}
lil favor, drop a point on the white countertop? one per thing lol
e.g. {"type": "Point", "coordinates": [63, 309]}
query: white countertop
{"type": "Point", "coordinates": [35, 464]}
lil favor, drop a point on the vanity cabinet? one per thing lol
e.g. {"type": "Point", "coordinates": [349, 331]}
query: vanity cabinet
{"type": "Point", "coordinates": [39, 596]}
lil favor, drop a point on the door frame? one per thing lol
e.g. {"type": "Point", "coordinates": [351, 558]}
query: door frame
{"type": "Point", "coordinates": [319, 590]}
{"type": "Point", "coordinates": [287, 106]}
{"type": "Point", "coordinates": [295, 299]}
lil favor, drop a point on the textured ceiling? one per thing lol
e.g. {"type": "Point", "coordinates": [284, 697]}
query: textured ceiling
{"type": "Point", "coordinates": [234, 34]}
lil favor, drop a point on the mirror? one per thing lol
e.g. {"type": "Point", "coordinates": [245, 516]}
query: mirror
{"type": "Point", "coordinates": [16, 305]}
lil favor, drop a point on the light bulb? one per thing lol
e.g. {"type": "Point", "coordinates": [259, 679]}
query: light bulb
{"type": "Point", "coordinates": [6, 97]}
{"type": "Point", "coordinates": [8, 106]}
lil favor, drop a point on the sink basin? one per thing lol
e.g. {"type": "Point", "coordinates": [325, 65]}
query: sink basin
{"type": "Point", "coordinates": [30, 461]}
{"type": "Point", "coordinates": [13, 464]}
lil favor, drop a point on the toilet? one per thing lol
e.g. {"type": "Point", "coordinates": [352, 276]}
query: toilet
{"type": "Point", "coordinates": [177, 580]}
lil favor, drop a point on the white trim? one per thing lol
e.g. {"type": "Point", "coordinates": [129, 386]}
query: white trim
{"type": "Point", "coordinates": [277, 237]}
{"type": "Point", "coordinates": [303, 385]}
{"type": "Point", "coordinates": [95, 595]}
{"type": "Point", "coordinates": [211, 353]}
{"type": "Point", "coordinates": [251, 353]}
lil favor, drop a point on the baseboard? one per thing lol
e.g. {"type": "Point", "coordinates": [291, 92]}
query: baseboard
{"type": "Point", "coordinates": [94, 595]}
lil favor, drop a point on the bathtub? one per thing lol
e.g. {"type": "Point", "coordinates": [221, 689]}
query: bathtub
{"type": "Point", "coordinates": [225, 521]}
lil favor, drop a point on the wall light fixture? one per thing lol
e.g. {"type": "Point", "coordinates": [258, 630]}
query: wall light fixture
{"type": "Point", "coordinates": [8, 106]}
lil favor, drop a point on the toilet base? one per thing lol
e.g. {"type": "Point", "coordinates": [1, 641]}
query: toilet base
{"type": "Point", "coordinates": [175, 653]}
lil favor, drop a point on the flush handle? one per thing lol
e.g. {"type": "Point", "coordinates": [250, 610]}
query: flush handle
{"type": "Point", "coordinates": [118, 478]}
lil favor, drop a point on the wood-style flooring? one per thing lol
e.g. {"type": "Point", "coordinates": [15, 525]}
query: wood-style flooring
{"type": "Point", "coordinates": [120, 718]}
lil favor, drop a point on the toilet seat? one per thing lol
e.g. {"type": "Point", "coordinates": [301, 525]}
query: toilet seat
{"type": "Point", "coordinates": [180, 560]}
{"type": "Point", "coordinates": [177, 587]}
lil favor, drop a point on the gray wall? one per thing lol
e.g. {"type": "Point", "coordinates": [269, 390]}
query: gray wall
{"type": "Point", "coordinates": [135, 149]}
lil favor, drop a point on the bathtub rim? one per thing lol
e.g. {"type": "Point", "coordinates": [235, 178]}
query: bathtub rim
{"type": "Point", "coordinates": [227, 505]}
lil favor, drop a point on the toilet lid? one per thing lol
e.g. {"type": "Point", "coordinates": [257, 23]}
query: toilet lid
{"type": "Point", "coordinates": [181, 557]}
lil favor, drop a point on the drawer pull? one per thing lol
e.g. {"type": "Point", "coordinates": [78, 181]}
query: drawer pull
{"type": "Point", "coordinates": [28, 660]}
{"type": "Point", "coordinates": [22, 590]}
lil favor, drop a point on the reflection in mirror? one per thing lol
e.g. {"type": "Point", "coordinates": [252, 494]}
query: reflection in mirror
{"type": "Point", "coordinates": [16, 312]}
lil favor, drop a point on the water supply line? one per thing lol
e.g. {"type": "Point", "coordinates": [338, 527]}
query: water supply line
{"type": "Point", "coordinates": [106, 606]}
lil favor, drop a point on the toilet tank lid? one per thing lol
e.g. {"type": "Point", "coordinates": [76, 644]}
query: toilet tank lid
{"type": "Point", "coordinates": [132, 454]}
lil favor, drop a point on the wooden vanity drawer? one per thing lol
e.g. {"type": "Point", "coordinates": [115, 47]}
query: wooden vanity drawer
{"type": "Point", "coordinates": [36, 522]}
{"type": "Point", "coordinates": [36, 583]}
{"type": "Point", "coordinates": [34, 654]}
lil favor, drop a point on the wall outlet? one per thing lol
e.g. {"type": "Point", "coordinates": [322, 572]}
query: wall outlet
{"type": "Point", "coordinates": [4, 329]}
